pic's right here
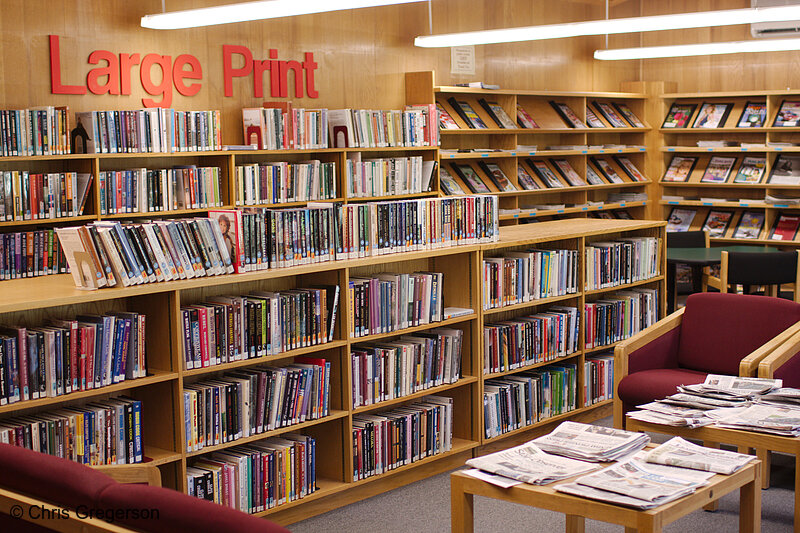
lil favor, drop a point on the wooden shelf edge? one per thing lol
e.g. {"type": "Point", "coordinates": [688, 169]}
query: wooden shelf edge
{"type": "Point", "coordinates": [406, 331]}
{"type": "Point", "coordinates": [531, 303]}
{"type": "Point", "coordinates": [624, 286]}
{"type": "Point", "coordinates": [466, 380]}
{"type": "Point", "coordinates": [557, 360]}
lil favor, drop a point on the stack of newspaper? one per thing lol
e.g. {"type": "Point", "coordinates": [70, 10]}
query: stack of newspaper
{"type": "Point", "coordinates": [671, 415]}
{"type": "Point", "coordinates": [591, 443]}
{"type": "Point", "coordinates": [765, 418]}
{"type": "Point", "coordinates": [719, 391]}
{"type": "Point", "coordinates": [682, 453]}
{"type": "Point", "coordinates": [634, 484]}
{"type": "Point", "coordinates": [530, 464]}
{"type": "Point", "coordinates": [783, 396]}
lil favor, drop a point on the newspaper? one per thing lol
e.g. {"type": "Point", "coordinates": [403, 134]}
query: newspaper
{"type": "Point", "coordinates": [679, 452]}
{"type": "Point", "coordinates": [655, 417]}
{"type": "Point", "coordinates": [530, 464]}
{"type": "Point", "coordinates": [674, 410]}
{"type": "Point", "coordinates": [591, 443]}
{"type": "Point", "coordinates": [634, 479]}
{"type": "Point", "coordinates": [700, 402]}
{"type": "Point", "coordinates": [494, 479]}
{"type": "Point", "coordinates": [582, 491]}
{"type": "Point", "coordinates": [783, 396]}
{"type": "Point", "coordinates": [721, 386]}
{"type": "Point", "coordinates": [778, 420]}
{"type": "Point", "coordinates": [696, 476]}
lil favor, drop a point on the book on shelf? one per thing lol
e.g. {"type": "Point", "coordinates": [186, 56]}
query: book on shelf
{"type": "Point", "coordinates": [785, 228]}
{"type": "Point", "coordinates": [572, 147]}
{"type": "Point", "coordinates": [567, 114]}
{"type": "Point", "coordinates": [446, 122]}
{"type": "Point", "coordinates": [527, 340]}
{"type": "Point", "coordinates": [712, 115]}
{"type": "Point", "coordinates": [592, 177]}
{"type": "Point", "coordinates": [751, 170]}
{"type": "Point", "coordinates": [470, 178]}
{"type": "Point", "coordinates": [525, 180]}
{"type": "Point", "coordinates": [479, 85]}
{"type": "Point", "coordinates": [41, 130]}
{"type": "Point", "coordinates": [622, 261]}
{"type": "Point", "coordinates": [387, 440]}
{"type": "Point", "coordinates": [448, 184]}
{"type": "Point", "coordinates": [524, 119]}
{"type": "Point", "coordinates": [774, 199]}
{"type": "Point", "coordinates": [717, 222]}
{"type": "Point", "coordinates": [678, 115]}
{"type": "Point", "coordinates": [497, 176]}
{"type": "Point", "coordinates": [455, 312]}
{"type": "Point", "coordinates": [365, 128]}
{"type": "Point", "coordinates": [421, 125]}
{"type": "Point", "coordinates": [30, 254]}
{"type": "Point", "coordinates": [750, 225]}
{"type": "Point", "coordinates": [610, 114]}
{"type": "Point", "coordinates": [405, 366]}
{"type": "Point", "coordinates": [786, 170]}
{"type": "Point", "coordinates": [680, 168]}
{"type": "Point", "coordinates": [383, 176]}
{"type": "Point", "coordinates": [498, 114]}
{"type": "Point", "coordinates": [680, 219]}
{"type": "Point", "coordinates": [629, 168]}
{"type": "Point", "coordinates": [250, 401]}
{"type": "Point", "coordinates": [619, 316]}
{"type": "Point", "coordinates": [753, 115]}
{"type": "Point", "coordinates": [629, 115]}
{"type": "Point", "coordinates": [145, 190]}
{"type": "Point", "coordinates": [545, 174]}
{"type": "Point", "coordinates": [718, 169]}
{"type": "Point", "coordinates": [598, 378]}
{"type": "Point", "coordinates": [284, 182]}
{"type": "Point", "coordinates": [467, 114]}
{"type": "Point", "coordinates": [788, 115]}
{"type": "Point", "coordinates": [626, 197]}
{"type": "Point", "coordinates": [567, 172]}
{"type": "Point", "coordinates": [522, 399]}
{"type": "Point", "coordinates": [606, 170]}
{"type": "Point", "coordinates": [715, 200]}
{"type": "Point", "coordinates": [392, 302]}
{"type": "Point", "coordinates": [523, 276]}
{"type": "Point", "coordinates": [26, 195]}
{"type": "Point", "coordinates": [259, 476]}
{"type": "Point", "coordinates": [591, 119]}
{"type": "Point", "coordinates": [104, 432]}
{"type": "Point", "coordinates": [718, 143]}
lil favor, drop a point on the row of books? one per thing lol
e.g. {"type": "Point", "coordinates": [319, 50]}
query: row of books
{"type": "Point", "coordinates": [27, 195]}
{"type": "Point", "coordinates": [405, 366]}
{"type": "Point", "coordinates": [523, 276]}
{"type": "Point", "coordinates": [751, 224]}
{"type": "Point", "coordinates": [368, 128]}
{"type": "Point", "coordinates": [388, 440]}
{"type": "Point", "coordinates": [715, 115]}
{"type": "Point", "coordinates": [37, 131]}
{"type": "Point", "coordinates": [598, 378]}
{"type": "Point", "coordinates": [101, 433]}
{"type": "Point", "coordinates": [523, 399]}
{"type": "Point", "coordinates": [28, 254]}
{"type": "Point", "coordinates": [527, 340]}
{"type": "Point", "coordinates": [282, 182]}
{"type": "Point", "coordinates": [387, 176]}
{"type": "Point", "coordinates": [270, 238]}
{"type": "Point", "coordinates": [601, 172]}
{"type": "Point", "coordinates": [615, 114]}
{"type": "Point", "coordinates": [131, 254]}
{"type": "Point", "coordinates": [258, 476]}
{"type": "Point", "coordinates": [255, 400]}
{"type": "Point", "coordinates": [391, 302]}
{"type": "Point", "coordinates": [225, 329]}
{"type": "Point", "coordinates": [623, 261]}
{"type": "Point", "coordinates": [144, 190]}
{"type": "Point", "coordinates": [150, 130]}
{"type": "Point", "coordinates": [620, 316]}
{"type": "Point", "coordinates": [280, 126]}
{"type": "Point", "coordinates": [66, 356]}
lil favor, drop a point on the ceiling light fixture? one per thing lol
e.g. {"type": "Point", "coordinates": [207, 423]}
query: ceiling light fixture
{"type": "Point", "coordinates": [247, 11]}
{"type": "Point", "coordinates": [683, 50]}
{"type": "Point", "coordinates": [676, 21]}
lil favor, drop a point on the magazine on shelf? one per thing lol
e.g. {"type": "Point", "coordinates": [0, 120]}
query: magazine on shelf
{"type": "Point", "coordinates": [712, 115]}
{"type": "Point", "coordinates": [525, 180]}
{"type": "Point", "coordinates": [567, 172]}
{"type": "Point", "coordinates": [567, 115]}
{"type": "Point", "coordinates": [786, 170]}
{"type": "Point", "coordinates": [470, 178]}
{"type": "Point", "coordinates": [680, 452]}
{"type": "Point", "coordinates": [680, 168]}
{"type": "Point", "coordinates": [497, 176]}
{"type": "Point", "coordinates": [623, 215]}
{"type": "Point", "coordinates": [629, 168]}
{"type": "Point", "coordinates": [788, 115]}
{"type": "Point", "coordinates": [591, 443]}
{"type": "Point", "coordinates": [753, 116]}
{"type": "Point", "coordinates": [524, 119]}
{"type": "Point", "coordinates": [498, 114]}
{"type": "Point", "coordinates": [467, 114]}
{"type": "Point", "coordinates": [680, 219]}
{"type": "Point", "coordinates": [446, 122]}
{"type": "Point", "coordinates": [448, 184]}
{"type": "Point", "coordinates": [717, 222]}
{"type": "Point", "coordinates": [592, 121]}
{"type": "Point", "coordinates": [718, 169]}
{"type": "Point", "coordinates": [545, 174]}
{"type": "Point", "coordinates": [607, 170]}
{"type": "Point", "coordinates": [750, 225]}
{"type": "Point", "coordinates": [593, 177]}
{"type": "Point", "coordinates": [678, 115]}
{"type": "Point", "coordinates": [785, 228]}
{"type": "Point", "coordinates": [629, 115]}
{"type": "Point", "coordinates": [610, 114]}
{"type": "Point", "coordinates": [530, 464]}
{"type": "Point", "coordinates": [751, 170]}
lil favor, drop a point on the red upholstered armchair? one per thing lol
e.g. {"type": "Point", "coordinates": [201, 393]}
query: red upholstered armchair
{"type": "Point", "coordinates": [714, 334]}
{"type": "Point", "coordinates": [53, 494]}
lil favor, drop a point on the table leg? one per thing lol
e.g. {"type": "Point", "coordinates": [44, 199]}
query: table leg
{"type": "Point", "coordinates": [750, 505]}
{"type": "Point", "coordinates": [672, 289]}
{"type": "Point", "coordinates": [461, 508]}
{"type": "Point", "coordinates": [713, 506]}
{"type": "Point", "coordinates": [576, 524]}
{"type": "Point", "coordinates": [766, 463]}
{"type": "Point", "coordinates": [697, 279]}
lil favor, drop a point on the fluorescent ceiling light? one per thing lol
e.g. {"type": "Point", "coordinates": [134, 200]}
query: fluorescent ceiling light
{"type": "Point", "coordinates": [682, 50]}
{"type": "Point", "coordinates": [677, 21]}
{"type": "Point", "coordinates": [245, 11]}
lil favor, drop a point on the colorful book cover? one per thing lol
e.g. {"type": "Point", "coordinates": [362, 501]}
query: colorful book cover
{"type": "Point", "coordinates": [751, 170]}
{"type": "Point", "coordinates": [753, 116]}
{"type": "Point", "coordinates": [471, 179]}
{"type": "Point", "coordinates": [449, 185]}
{"type": "Point", "coordinates": [750, 225]}
{"type": "Point", "coordinates": [717, 222]}
{"type": "Point", "coordinates": [545, 174]}
{"type": "Point", "coordinates": [610, 114]}
{"type": "Point", "coordinates": [467, 114]}
{"type": "Point", "coordinates": [497, 176]}
{"type": "Point", "coordinates": [678, 115]}
{"type": "Point", "coordinates": [526, 180]}
{"type": "Point", "coordinates": [680, 168]}
{"type": "Point", "coordinates": [593, 177]}
{"type": "Point", "coordinates": [718, 169]}
{"type": "Point", "coordinates": [785, 228]}
{"type": "Point", "coordinates": [607, 170]}
{"type": "Point", "coordinates": [524, 119]}
{"type": "Point", "coordinates": [680, 219]}
{"type": "Point", "coordinates": [788, 115]}
{"type": "Point", "coordinates": [629, 115]}
{"type": "Point", "coordinates": [567, 114]}
{"type": "Point", "coordinates": [569, 174]}
{"type": "Point", "coordinates": [712, 115]}
{"type": "Point", "coordinates": [498, 114]}
{"type": "Point", "coordinates": [446, 122]}
{"type": "Point", "coordinates": [630, 169]}
{"type": "Point", "coordinates": [592, 121]}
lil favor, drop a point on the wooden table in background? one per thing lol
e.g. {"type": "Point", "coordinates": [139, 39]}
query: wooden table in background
{"type": "Point", "coordinates": [463, 487]}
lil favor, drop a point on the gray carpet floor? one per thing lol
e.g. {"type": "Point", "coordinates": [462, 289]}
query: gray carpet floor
{"type": "Point", "coordinates": [424, 506]}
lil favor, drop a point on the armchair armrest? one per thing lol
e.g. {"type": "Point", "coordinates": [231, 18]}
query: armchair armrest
{"type": "Point", "coordinates": [134, 473]}
{"type": "Point", "coordinates": [749, 366]}
{"type": "Point", "coordinates": [624, 349]}
{"type": "Point", "coordinates": [780, 355]}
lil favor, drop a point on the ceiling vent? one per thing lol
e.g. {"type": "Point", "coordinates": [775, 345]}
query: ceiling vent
{"type": "Point", "coordinates": [786, 28]}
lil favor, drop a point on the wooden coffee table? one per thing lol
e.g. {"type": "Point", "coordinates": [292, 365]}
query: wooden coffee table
{"type": "Point", "coordinates": [463, 487]}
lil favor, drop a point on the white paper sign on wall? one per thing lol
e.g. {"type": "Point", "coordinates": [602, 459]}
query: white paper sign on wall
{"type": "Point", "coordinates": [462, 60]}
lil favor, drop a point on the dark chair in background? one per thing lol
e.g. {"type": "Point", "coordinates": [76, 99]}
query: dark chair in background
{"type": "Point", "coordinates": [771, 270]}
{"type": "Point", "coordinates": [692, 239]}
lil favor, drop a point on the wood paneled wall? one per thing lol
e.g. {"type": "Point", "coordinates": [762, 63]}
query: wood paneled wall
{"type": "Point", "coordinates": [362, 54]}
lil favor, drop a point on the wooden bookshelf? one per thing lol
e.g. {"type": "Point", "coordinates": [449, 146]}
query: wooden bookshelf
{"type": "Point", "coordinates": [30, 302]}
{"type": "Point", "coordinates": [552, 131]}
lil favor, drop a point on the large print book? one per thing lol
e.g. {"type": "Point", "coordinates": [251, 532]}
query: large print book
{"type": "Point", "coordinates": [467, 114]}
{"type": "Point", "coordinates": [471, 178]}
{"type": "Point", "coordinates": [498, 114]}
